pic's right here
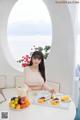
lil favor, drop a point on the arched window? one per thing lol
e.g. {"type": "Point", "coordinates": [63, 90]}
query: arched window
{"type": "Point", "coordinates": [29, 28]}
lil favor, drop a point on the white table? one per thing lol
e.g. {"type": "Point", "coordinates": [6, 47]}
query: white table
{"type": "Point", "coordinates": [36, 112]}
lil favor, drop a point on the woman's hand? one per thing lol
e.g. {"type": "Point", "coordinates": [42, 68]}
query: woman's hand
{"type": "Point", "coordinates": [51, 90]}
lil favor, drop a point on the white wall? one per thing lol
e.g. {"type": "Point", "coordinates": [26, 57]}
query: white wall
{"type": "Point", "coordinates": [60, 63]}
{"type": "Point", "coordinates": [74, 16]}
{"type": "Point", "coordinates": [6, 65]}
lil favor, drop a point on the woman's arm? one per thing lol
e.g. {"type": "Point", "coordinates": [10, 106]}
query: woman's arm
{"type": "Point", "coordinates": [25, 80]}
{"type": "Point", "coordinates": [27, 87]}
{"type": "Point", "coordinates": [45, 87]}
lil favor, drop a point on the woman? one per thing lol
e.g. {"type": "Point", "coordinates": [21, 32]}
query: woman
{"type": "Point", "coordinates": [35, 73]}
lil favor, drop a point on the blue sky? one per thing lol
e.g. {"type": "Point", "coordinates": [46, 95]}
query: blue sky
{"type": "Point", "coordinates": [29, 28]}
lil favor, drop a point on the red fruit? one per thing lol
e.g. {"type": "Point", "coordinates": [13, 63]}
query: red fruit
{"type": "Point", "coordinates": [22, 105]}
{"type": "Point", "coordinates": [22, 100]}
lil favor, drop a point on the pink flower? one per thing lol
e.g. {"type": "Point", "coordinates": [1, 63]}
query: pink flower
{"type": "Point", "coordinates": [25, 60]}
{"type": "Point", "coordinates": [24, 64]}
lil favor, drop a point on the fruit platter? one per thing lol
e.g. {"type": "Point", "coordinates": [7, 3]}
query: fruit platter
{"type": "Point", "coordinates": [65, 99]}
{"type": "Point", "coordinates": [55, 101]}
{"type": "Point", "coordinates": [60, 101]}
{"type": "Point", "coordinates": [18, 103]}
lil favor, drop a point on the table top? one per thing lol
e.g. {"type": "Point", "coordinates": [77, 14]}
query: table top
{"type": "Point", "coordinates": [38, 112]}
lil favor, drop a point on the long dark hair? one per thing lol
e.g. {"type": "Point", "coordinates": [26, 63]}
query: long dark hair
{"type": "Point", "coordinates": [39, 55]}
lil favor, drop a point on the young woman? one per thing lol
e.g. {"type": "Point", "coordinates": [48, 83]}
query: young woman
{"type": "Point", "coordinates": [35, 73]}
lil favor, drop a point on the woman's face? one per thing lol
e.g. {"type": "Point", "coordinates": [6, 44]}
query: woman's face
{"type": "Point", "coordinates": [36, 61]}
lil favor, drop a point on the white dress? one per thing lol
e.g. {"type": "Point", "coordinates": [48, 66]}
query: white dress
{"type": "Point", "coordinates": [33, 79]}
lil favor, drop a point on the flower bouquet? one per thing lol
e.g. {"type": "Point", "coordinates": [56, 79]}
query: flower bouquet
{"type": "Point", "coordinates": [24, 60]}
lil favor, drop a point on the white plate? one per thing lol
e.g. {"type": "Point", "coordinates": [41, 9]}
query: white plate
{"type": "Point", "coordinates": [63, 105]}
